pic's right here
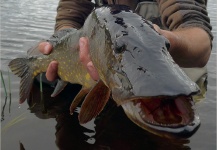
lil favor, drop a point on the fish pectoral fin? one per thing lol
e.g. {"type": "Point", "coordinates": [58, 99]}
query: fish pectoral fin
{"type": "Point", "coordinates": [94, 102]}
{"type": "Point", "coordinates": [59, 87]}
{"type": "Point", "coordinates": [79, 97]}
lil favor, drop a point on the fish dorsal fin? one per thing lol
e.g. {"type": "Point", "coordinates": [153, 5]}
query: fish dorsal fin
{"type": "Point", "coordinates": [34, 50]}
{"type": "Point", "coordinates": [94, 102]}
{"type": "Point", "coordinates": [53, 40]}
{"type": "Point", "coordinates": [79, 97]}
{"type": "Point", "coordinates": [59, 87]}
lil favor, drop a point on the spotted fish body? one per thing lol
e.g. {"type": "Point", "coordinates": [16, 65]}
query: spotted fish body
{"type": "Point", "coordinates": [133, 65]}
{"type": "Point", "coordinates": [69, 66]}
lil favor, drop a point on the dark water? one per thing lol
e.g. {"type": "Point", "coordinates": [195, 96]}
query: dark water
{"type": "Point", "coordinates": [46, 125]}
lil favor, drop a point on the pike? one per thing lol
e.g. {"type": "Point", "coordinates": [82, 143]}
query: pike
{"type": "Point", "coordinates": [134, 67]}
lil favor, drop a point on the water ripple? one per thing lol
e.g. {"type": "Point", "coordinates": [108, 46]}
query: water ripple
{"type": "Point", "coordinates": [25, 22]}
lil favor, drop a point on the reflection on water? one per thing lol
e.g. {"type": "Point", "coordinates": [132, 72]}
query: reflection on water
{"type": "Point", "coordinates": [47, 124]}
{"type": "Point", "coordinates": [105, 132]}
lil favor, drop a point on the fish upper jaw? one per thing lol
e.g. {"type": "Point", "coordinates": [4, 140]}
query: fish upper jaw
{"type": "Point", "coordinates": [164, 116]}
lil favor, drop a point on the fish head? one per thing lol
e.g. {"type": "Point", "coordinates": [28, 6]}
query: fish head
{"type": "Point", "coordinates": [144, 79]}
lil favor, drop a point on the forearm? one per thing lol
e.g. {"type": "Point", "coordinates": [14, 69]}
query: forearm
{"type": "Point", "coordinates": [72, 13]}
{"type": "Point", "coordinates": [190, 36]}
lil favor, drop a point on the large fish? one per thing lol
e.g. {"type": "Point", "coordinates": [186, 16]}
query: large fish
{"type": "Point", "coordinates": [134, 67]}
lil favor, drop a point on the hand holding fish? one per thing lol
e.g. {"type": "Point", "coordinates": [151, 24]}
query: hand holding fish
{"type": "Point", "coordinates": [46, 48]}
{"type": "Point", "coordinates": [51, 74]}
{"type": "Point", "coordinates": [185, 53]}
{"type": "Point", "coordinates": [184, 47]}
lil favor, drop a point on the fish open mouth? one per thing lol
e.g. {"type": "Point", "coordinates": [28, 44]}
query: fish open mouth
{"type": "Point", "coordinates": [165, 116]}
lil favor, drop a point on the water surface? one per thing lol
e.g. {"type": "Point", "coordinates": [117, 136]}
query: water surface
{"type": "Point", "coordinates": [24, 23]}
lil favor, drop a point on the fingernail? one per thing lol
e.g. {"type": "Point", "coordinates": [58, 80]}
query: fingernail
{"type": "Point", "coordinates": [90, 68]}
{"type": "Point", "coordinates": [47, 48]}
{"type": "Point", "coordinates": [54, 65]}
{"type": "Point", "coordinates": [92, 71]}
{"type": "Point", "coordinates": [81, 43]}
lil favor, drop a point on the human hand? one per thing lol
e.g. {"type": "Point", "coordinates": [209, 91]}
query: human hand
{"type": "Point", "coordinates": [184, 47]}
{"type": "Point", "coordinates": [85, 59]}
{"type": "Point", "coordinates": [51, 73]}
{"type": "Point", "coordinates": [172, 37]}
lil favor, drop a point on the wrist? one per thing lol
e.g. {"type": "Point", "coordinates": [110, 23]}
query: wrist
{"type": "Point", "coordinates": [65, 27]}
{"type": "Point", "coordinates": [190, 47]}
{"type": "Point", "coordinates": [174, 39]}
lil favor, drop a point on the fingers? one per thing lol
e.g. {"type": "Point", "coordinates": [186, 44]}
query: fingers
{"type": "Point", "coordinates": [157, 28]}
{"type": "Point", "coordinates": [84, 51]}
{"type": "Point", "coordinates": [92, 71]}
{"type": "Point", "coordinates": [85, 58]}
{"type": "Point", "coordinates": [165, 33]}
{"type": "Point", "coordinates": [45, 48]}
{"type": "Point", "coordinates": [173, 37]}
{"type": "Point", "coordinates": [51, 73]}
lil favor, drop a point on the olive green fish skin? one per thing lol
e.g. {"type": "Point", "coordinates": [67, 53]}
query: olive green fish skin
{"type": "Point", "coordinates": [69, 67]}
{"type": "Point", "coordinates": [65, 52]}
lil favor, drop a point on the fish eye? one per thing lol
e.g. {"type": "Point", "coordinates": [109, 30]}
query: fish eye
{"type": "Point", "coordinates": [120, 49]}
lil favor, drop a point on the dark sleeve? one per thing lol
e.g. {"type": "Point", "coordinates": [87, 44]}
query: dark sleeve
{"type": "Point", "coordinates": [72, 13]}
{"type": "Point", "coordinates": [185, 13]}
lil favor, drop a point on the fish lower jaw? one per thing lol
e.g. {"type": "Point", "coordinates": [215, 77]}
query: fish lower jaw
{"type": "Point", "coordinates": [174, 117]}
{"type": "Point", "coordinates": [168, 130]}
{"type": "Point", "coordinates": [153, 122]}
